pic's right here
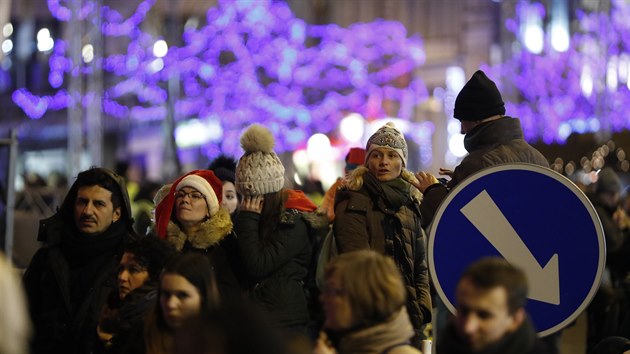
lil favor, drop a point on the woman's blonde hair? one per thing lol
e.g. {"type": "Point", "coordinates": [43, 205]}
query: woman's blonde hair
{"type": "Point", "coordinates": [15, 325]}
{"type": "Point", "coordinates": [372, 283]}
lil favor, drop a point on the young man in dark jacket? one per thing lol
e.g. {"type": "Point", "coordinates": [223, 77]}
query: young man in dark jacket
{"type": "Point", "coordinates": [491, 139]}
{"type": "Point", "coordinates": [491, 318]}
{"type": "Point", "coordinates": [69, 278]}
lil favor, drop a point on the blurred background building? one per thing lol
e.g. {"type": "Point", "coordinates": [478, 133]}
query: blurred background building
{"type": "Point", "coordinates": [164, 86]}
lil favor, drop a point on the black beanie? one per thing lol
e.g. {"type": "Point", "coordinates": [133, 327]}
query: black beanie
{"type": "Point", "coordinates": [224, 174]}
{"type": "Point", "coordinates": [223, 167]}
{"type": "Point", "coordinates": [479, 99]}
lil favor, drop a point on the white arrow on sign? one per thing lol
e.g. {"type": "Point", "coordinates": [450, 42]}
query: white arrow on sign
{"type": "Point", "coordinates": [544, 283]}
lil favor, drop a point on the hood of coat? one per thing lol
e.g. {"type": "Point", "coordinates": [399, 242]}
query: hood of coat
{"type": "Point", "coordinates": [211, 232]}
{"type": "Point", "coordinates": [354, 181]}
{"type": "Point", "coordinates": [65, 213]}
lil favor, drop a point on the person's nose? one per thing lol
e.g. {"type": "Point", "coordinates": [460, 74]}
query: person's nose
{"type": "Point", "coordinates": [88, 209]}
{"type": "Point", "coordinates": [171, 302]}
{"type": "Point", "coordinates": [186, 198]}
{"type": "Point", "coordinates": [470, 325]}
{"type": "Point", "coordinates": [123, 276]}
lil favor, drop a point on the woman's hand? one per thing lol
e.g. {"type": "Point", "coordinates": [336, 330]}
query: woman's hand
{"type": "Point", "coordinates": [425, 180]}
{"type": "Point", "coordinates": [253, 204]}
{"type": "Point", "coordinates": [323, 345]}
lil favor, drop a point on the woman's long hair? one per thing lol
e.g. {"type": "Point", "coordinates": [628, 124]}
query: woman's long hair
{"type": "Point", "coordinates": [270, 215]}
{"type": "Point", "coordinates": [197, 270]}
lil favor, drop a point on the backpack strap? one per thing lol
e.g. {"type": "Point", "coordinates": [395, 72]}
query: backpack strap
{"type": "Point", "coordinates": [328, 251]}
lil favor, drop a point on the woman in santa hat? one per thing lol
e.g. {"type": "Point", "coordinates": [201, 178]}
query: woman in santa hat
{"type": "Point", "coordinates": [191, 219]}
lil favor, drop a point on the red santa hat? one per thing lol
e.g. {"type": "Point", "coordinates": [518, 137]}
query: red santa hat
{"type": "Point", "coordinates": [204, 181]}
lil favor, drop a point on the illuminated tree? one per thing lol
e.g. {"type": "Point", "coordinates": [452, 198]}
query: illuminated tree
{"type": "Point", "coordinates": [252, 61]}
{"type": "Point", "coordinates": [584, 88]}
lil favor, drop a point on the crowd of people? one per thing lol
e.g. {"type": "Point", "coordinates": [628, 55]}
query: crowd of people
{"type": "Point", "coordinates": [222, 260]}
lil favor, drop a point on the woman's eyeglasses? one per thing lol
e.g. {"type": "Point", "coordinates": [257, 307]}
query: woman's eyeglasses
{"type": "Point", "coordinates": [194, 195]}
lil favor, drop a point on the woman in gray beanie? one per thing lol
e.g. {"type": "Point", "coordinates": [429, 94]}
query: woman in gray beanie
{"type": "Point", "coordinates": [273, 228]}
{"type": "Point", "coordinates": [378, 208]}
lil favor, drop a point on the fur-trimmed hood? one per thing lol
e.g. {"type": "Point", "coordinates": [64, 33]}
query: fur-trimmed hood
{"type": "Point", "coordinates": [354, 181]}
{"type": "Point", "coordinates": [211, 232]}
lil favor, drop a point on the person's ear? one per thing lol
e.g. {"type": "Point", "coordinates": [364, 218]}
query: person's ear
{"type": "Point", "coordinates": [116, 215]}
{"type": "Point", "coordinates": [519, 317]}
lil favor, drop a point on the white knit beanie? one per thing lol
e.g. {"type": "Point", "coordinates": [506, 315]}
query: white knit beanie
{"type": "Point", "coordinates": [388, 136]}
{"type": "Point", "coordinates": [259, 171]}
{"type": "Point", "coordinates": [202, 186]}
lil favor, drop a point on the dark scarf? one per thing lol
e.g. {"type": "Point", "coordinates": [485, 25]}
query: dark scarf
{"type": "Point", "coordinates": [522, 341]}
{"type": "Point", "coordinates": [122, 315]}
{"type": "Point", "coordinates": [81, 249]}
{"type": "Point", "coordinates": [394, 193]}
{"type": "Point", "coordinates": [88, 255]}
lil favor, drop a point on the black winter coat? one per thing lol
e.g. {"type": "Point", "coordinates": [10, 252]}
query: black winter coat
{"type": "Point", "coordinates": [277, 268]}
{"type": "Point", "coordinates": [488, 144]}
{"type": "Point", "coordinates": [122, 318]}
{"type": "Point", "coordinates": [70, 277]}
{"type": "Point", "coordinates": [523, 340]}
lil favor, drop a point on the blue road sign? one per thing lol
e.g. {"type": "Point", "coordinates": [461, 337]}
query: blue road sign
{"type": "Point", "coordinates": [537, 220]}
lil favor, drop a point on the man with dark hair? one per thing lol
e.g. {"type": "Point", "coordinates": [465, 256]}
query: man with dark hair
{"type": "Point", "coordinates": [492, 138]}
{"type": "Point", "coordinates": [608, 312]}
{"type": "Point", "coordinates": [491, 318]}
{"type": "Point", "coordinates": [70, 276]}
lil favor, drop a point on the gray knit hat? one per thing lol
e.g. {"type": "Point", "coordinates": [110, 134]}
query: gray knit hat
{"type": "Point", "coordinates": [259, 171]}
{"type": "Point", "coordinates": [388, 136]}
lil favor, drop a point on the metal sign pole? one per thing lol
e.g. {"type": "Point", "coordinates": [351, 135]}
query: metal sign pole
{"type": "Point", "coordinates": [10, 206]}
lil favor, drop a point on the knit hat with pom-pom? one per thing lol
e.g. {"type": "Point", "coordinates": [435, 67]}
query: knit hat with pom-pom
{"type": "Point", "coordinates": [388, 136]}
{"type": "Point", "coordinates": [259, 171]}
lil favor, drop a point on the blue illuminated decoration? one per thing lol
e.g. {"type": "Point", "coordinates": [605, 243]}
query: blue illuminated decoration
{"type": "Point", "coordinates": [252, 61]}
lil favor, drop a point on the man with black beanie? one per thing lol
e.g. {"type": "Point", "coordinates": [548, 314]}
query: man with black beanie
{"type": "Point", "coordinates": [492, 138]}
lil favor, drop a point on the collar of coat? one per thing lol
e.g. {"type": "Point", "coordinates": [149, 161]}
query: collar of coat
{"type": "Point", "coordinates": [500, 131]}
{"type": "Point", "coordinates": [354, 181]}
{"type": "Point", "coordinates": [211, 232]}
{"type": "Point", "coordinates": [394, 331]}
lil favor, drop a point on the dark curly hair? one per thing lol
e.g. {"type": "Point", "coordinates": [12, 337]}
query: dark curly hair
{"type": "Point", "coordinates": [152, 253]}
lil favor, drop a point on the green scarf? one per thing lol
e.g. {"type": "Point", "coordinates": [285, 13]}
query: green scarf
{"type": "Point", "coordinates": [395, 193]}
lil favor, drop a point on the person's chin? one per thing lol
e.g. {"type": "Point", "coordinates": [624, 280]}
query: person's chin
{"type": "Point", "coordinates": [476, 346]}
{"type": "Point", "coordinates": [88, 230]}
{"type": "Point", "coordinates": [173, 322]}
{"type": "Point", "coordinates": [385, 177]}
